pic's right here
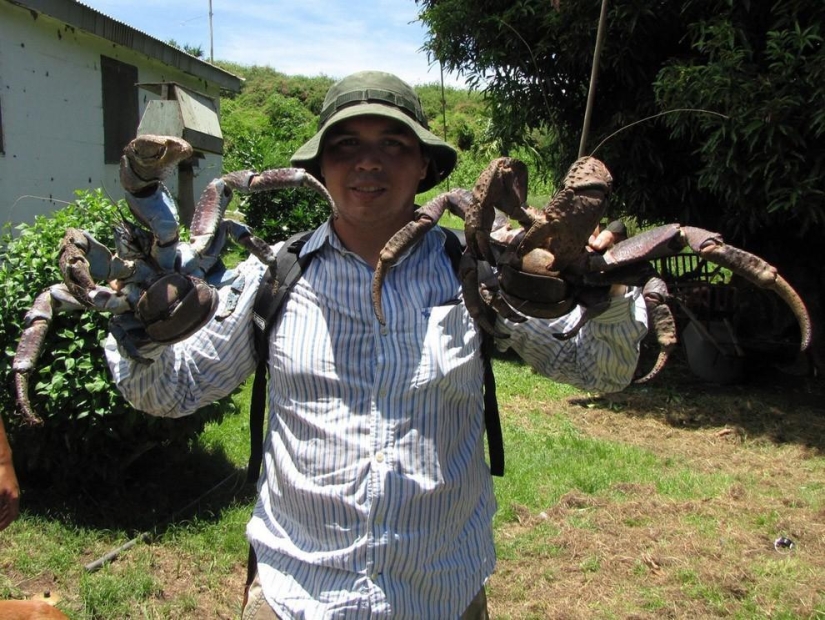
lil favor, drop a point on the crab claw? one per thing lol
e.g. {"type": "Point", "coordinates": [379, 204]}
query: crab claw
{"type": "Point", "coordinates": [149, 159]}
{"type": "Point", "coordinates": [764, 275]}
{"type": "Point", "coordinates": [82, 260]}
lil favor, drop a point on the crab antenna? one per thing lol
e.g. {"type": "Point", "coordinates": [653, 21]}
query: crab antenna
{"type": "Point", "coordinates": [651, 117]}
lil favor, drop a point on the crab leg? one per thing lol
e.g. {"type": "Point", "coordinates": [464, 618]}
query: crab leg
{"type": "Point", "coordinates": [56, 298]}
{"type": "Point", "coordinates": [146, 161]}
{"type": "Point", "coordinates": [668, 240]}
{"type": "Point", "coordinates": [82, 261]}
{"type": "Point", "coordinates": [662, 323]}
{"type": "Point", "coordinates": [424, 219]}
{"type": "Point", "coordinates": [208, 223]}
{"type": "Point", "coordinates": [249, 181]}
{"type": "Point", "coordinates": [209, 229]}
{"type": "Point", "coordinates": [711, 247]}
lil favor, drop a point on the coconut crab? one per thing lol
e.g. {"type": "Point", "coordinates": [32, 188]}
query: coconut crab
{"type": "Point", "coordinates": [543, 270]}
{"type": "Point", "coordinates": [163, 289]}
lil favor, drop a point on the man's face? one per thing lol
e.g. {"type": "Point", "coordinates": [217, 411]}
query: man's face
{"type": "Point", "coordinates": [372, 166]}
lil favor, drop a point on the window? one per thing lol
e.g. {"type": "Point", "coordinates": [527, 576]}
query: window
{"type": "Point", "coordinates": [120, 106]}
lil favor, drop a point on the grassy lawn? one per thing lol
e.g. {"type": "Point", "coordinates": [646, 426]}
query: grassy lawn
{"type": "Point", "coordinates": [659, 502]}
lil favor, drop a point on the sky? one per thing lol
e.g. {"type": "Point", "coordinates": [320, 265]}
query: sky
{"type": "Point", "coordinates": [302, 37]}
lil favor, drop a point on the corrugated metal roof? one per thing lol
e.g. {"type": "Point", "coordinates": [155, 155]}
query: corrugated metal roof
{"type": "Point", "coordinates": [90, 20]}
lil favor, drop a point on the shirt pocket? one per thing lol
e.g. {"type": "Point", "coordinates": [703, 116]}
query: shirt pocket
{"type": "Point", "coordinates": [449, 360]}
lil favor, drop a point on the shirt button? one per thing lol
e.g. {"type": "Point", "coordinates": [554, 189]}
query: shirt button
{"type": "Point", "coordinates": [374, 577]}
{"type": "Point", "coordinates": [379, 456]}
{"type": "Point", "coordinates": [384, 331]}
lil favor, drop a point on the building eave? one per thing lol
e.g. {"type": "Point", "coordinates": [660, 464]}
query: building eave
{"type": "Point", "coordinates": [87, 19]}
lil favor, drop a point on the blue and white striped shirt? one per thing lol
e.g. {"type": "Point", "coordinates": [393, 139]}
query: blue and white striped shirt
{"type": "Point", "coordinates": [375, 500]}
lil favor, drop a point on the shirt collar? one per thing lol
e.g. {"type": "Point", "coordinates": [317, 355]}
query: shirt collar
{"type": "Point", "coordinates": [325, 234]}
{"type": "Point", "coordinates": [322, 235]}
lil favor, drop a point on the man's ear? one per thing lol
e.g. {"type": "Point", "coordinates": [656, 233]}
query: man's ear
{"type": "Point", "coordinates": [426, 167]}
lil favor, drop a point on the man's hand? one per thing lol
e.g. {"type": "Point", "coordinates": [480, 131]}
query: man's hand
{"type": "Point", "coordinates": [607, 238]}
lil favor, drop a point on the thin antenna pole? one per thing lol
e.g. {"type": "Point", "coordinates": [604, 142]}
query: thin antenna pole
{"type": "Point", "coordinates": [594, 71]}
{"type": "Point", "coordinates": [211, 42]}
{"type": "Point", "coordinates": [443, 102]}
{"type": "Point", "coordinates": [443, 107]}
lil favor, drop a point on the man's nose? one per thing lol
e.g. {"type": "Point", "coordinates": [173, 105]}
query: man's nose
{"type": "Point", "coordinates": [369, 158]}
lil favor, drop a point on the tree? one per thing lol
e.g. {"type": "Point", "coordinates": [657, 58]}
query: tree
{"type": "Point", "coordinates": [192, 50]}
{"type": "Point", "coordinates": [755, 174]}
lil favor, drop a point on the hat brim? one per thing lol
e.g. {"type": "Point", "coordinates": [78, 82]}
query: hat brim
{"type": "Point", "coordinates": [442, 156]}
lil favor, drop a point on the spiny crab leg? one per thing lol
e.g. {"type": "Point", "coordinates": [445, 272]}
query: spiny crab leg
{"type": "Point", "coordinates": [662, 324]}
{"type": "Point", "coordinates": [669, 239]}
{"type": "Point", "coordinates": [711, 247]}
{"type": "Point", "coordinates": [209, 231]}
{"type": "Point", "coordinates": [424, 218]}
{"type": "Point", "coordinates": [208, 221]}
{"type": "Point", "coordinates": [249, 181]}
{"type": "Point", "coordinates": [56, 298]}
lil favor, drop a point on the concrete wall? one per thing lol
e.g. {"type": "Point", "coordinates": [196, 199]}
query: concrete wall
{"type": "Point", "coordinates": [52, 114]}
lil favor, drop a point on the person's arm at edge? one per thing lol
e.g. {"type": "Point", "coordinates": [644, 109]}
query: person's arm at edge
{"type": "Point", "coordinates": [9, 488]}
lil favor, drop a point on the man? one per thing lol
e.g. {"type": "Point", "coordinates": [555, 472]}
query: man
{"type": "Point", "coordinates": [375, 500]}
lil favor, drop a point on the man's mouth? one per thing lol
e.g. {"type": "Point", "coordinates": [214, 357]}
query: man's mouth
{"type": "Point", "coordinates": [367, 189]}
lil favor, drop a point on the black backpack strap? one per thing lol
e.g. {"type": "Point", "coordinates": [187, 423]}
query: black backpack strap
{"type": "Point", "coordinates": [273, 289]}
{"type": "Point", "coordinates": [492, 417]}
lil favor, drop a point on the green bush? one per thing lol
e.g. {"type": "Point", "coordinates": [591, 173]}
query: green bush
{"type": "Point", "coordinates": [89, 430]}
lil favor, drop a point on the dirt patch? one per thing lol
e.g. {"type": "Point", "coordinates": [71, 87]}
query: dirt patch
{"type": "Point", "coordinates": [634, 552]}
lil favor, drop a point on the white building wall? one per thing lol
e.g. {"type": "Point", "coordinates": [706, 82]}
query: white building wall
{"type": "Point", "coordinates": [52, 113]}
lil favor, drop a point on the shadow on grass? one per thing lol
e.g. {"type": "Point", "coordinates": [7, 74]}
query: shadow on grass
{"type": "Point", "coordinates": [769, 404]}
{"type": "Point", "coordinates": [166, 485]}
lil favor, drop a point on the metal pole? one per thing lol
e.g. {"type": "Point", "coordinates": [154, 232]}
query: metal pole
{"type": "Point", "coordinates": [594, 71]}
{"type": "Point", "coordinates": [211, 43]}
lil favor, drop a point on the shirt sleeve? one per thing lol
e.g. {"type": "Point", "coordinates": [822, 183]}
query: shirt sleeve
{"type": "Point", "coordinates": [209, 365]}
{"type": "Point", "coordinates": [601, 357]}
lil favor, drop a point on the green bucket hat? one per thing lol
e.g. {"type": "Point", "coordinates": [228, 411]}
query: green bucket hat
{"type": "Point", "coordinates": [379, 94]}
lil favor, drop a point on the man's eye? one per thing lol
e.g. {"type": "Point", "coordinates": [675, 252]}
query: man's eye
{"type": "Point", "coordinates": [345, 142]}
